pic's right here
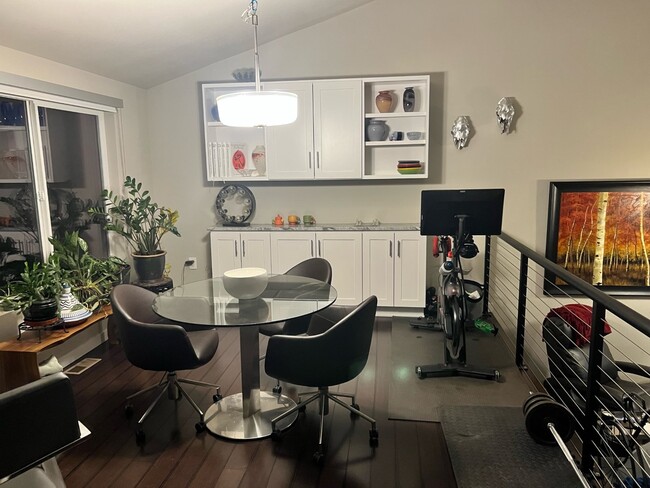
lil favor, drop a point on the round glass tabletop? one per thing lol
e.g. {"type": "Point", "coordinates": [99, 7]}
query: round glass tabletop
{"type": "Point", "coordinates": [207, 302]}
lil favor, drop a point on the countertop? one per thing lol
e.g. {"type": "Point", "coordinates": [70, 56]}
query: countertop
{"type": "Point", "coordinates": [360, 227]}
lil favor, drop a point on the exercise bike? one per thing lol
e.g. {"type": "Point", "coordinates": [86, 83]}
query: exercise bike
{"type": "Point", "coordinates": [453, 311]}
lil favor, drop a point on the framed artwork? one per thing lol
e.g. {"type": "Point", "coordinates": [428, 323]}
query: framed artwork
{"type": "Point", "coordinates": [600, 232]}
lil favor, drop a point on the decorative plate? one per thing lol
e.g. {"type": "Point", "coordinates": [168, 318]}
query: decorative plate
{"type": "Point", "coordinates": [235, 205]}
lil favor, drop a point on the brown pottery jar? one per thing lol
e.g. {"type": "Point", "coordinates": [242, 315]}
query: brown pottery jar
{"type": "Point", "coordinates": [384, 101]}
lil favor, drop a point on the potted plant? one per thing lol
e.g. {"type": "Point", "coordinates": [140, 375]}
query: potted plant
{"type": "Point", "coordinates": [35, 293]}
{"type": "Point", "coordinates": [90, 278]}
{"type": "Point", "coordinates": [142, 223]}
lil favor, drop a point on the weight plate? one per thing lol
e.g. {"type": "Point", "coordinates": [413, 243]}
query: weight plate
{"type": "Point", "coordinates": [542, 412]}
{"type": "Point", "coordinates": [531, 404]}
{"type": "Point", "coordinates": [531, 398]}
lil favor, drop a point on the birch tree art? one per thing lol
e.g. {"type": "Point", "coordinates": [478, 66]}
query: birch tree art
{"type": "Point", "coordinates": [603, 237]}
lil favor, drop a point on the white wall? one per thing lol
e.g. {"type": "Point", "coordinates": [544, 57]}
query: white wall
{"type": "Point", "coordinates": [578, 69]}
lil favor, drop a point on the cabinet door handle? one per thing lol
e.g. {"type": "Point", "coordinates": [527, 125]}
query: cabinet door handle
{"type": "Point", "coordinates": [390, 249]}
{"type": "Point", "coordinates": [319, 253]}
{"type": "Point", "coordinates": [399, 249]}
{"type": "Point", "coordinates": [318, 159]}
{"type": "Point", "coordinates": [311, 244]}
{"type": "Point", "coordinates": [235, 248]}
{"type": "Point", "coordinates": [309, 159]}
{"type": "Point", "coordinates": [243, 249]}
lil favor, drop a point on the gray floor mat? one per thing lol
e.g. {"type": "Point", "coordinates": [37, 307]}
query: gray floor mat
{"type": "Point", "coordinates": [489, 447]}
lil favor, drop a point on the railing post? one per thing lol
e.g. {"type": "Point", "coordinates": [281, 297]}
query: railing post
{"type": "Point", "coordinates": [521, 311]}
{"type": "Point", "coordinates": [486, 276]}
{"type": "Point", "coordinates": [593, 385]}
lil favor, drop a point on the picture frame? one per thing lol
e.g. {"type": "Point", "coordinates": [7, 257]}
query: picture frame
{"type": "Point", "coordinates": [600, 232]}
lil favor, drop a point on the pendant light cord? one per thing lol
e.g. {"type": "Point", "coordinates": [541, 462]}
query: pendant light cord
{"type": "Point", "coordinates": [251, 14]}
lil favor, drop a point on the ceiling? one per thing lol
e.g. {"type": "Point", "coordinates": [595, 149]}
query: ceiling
{"type": "Point", "coordinates": [147, 42]}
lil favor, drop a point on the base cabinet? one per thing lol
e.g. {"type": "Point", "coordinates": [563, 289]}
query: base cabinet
{"type": "Point", "coordinates": [230, 250]}
{"type": "Point", "coordinates": [394, 268]}
{"type": "Point", "coordinates": [341, 249]}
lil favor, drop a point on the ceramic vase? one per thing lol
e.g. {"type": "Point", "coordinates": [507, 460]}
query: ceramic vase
{"type": "Point", "coordinates": [259, 159]}
{"type": "Point", "coordinates": [408, 99]}
{"type": "Point", "coordinates": [377, 130]}
{"type": "Point", "coordinates": [384, 101]}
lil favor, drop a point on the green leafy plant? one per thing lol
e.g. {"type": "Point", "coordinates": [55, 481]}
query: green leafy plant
{"type": "Point", "coordinates": [90, 278]}
{"type": "Point", "coordinates": [135, 217]}
{"type": "Point", "coordinates": [38, 282]}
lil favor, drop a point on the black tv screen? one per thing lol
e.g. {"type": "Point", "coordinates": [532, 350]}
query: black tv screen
{"type": "Point", "coordinates": [440, 209]}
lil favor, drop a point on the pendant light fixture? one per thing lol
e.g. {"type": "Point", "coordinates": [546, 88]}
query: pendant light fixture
{"type": "Point", "coordinates": [257, 108]}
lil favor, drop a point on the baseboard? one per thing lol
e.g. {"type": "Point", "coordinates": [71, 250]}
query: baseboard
{"type": "Point", "coordinates": [398, 311]}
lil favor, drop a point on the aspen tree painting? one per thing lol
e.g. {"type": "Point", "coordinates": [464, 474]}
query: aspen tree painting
{"type": "Point", "coordinates": [600, 232]}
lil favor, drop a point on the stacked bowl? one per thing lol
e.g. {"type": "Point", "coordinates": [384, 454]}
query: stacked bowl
{"type": "Point", "coordinates": [409, 167]}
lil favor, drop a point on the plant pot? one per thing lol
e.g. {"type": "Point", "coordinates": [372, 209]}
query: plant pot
{"type": "Point", "coordinates": [149, 269]}
{"type": "Point", "coordinates": [41, 311]}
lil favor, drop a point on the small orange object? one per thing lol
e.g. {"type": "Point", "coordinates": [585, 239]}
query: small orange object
{"type": "Point", "coordinates": [278, 220]}
{"type": "Point", "coordinates": [293, 219]}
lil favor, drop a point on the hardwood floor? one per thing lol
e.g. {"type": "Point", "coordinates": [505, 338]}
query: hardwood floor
{"type": "Point", "coordinates": [410, 454]}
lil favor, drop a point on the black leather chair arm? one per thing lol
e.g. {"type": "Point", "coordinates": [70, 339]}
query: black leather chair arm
{"type": "Point", "coordinates": [37, 420]}
{"type": "Point", "coordinates": [633, 368]}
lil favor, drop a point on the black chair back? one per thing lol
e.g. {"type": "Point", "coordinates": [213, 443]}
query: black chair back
{"type": "Point", "coordinates": [148, 342]}
{"type": "Point", "coordinates": [332, 357]}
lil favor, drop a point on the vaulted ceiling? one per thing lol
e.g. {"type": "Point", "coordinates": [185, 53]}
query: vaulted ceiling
{"type": "Point", "coordinates": [148, 42]}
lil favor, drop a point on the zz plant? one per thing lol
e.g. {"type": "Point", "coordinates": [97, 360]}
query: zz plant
{"type": "Point", "coordinates": [137, 218]}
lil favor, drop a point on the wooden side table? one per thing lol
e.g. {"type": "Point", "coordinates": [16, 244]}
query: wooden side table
{"type": "Point", "coordinates": [19, 358]}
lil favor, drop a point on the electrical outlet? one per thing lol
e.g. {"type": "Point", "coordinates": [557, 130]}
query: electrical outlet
{"type": "Point", "coordinates": [193, 265]}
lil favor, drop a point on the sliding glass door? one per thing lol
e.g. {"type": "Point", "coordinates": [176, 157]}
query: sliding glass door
{"type": "Point", "coordinates": [50, 174]}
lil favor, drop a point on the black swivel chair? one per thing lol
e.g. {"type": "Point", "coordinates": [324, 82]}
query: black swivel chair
{"type": "Point", "coordinates": [316, 268]}
{"type": "Point", "coordinates": [332, 357]}
{"type": "Point", "coordinates": [38, 421]}
{"type": "Point", "coordinates": [152, 344]}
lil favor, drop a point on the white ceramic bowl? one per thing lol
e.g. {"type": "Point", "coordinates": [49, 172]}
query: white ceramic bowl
{"type": "Point", "coordinates": [414, 136]}
{"type": "Point", "coordinates": [245, 283]}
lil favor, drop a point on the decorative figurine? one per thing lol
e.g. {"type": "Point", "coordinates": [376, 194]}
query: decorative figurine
{"type": "Point", "coordinates": [308, 219]}
{"type": "Point", "coordinates": [293, 219]}
{"type": "Point", "coordinates": [460, 131]}
{"type": "Point", "coordinates": [278, 220]}
{"type": "Point", "coordinates": [505, 114]}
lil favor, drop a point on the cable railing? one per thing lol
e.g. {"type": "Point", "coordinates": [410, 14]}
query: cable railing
{"type": "Point", "coordinates": [563, 343]}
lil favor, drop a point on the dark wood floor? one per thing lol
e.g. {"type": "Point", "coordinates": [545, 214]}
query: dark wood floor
{"type": "Point", "coordinates": [410, 454]}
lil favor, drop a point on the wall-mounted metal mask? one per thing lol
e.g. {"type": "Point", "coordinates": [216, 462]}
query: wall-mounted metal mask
{"type": "Point", "coordinates": [460, 131]}
{"type": "Point", "coordinates": [505, 114]}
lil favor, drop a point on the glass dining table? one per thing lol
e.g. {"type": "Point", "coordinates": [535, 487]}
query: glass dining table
{"type": "Point", "coordinates": [246, 415]}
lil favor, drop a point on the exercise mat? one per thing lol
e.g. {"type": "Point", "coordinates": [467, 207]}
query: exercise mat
{"type": "Point", "coordinates": [489, 447]}
{"type": "Point", "coordinates": [411, 398]}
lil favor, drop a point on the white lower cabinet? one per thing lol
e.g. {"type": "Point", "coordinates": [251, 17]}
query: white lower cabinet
{"type": "Point", "coordinates": [230, 250]}
{"type": "Point", "coordinates": [390, 265]}
{"type": "Point", "coordinates": [394, 268]}
{"type": "Point", "coordinates": [341, 249]}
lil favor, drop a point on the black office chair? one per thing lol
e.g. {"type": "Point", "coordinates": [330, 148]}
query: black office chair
{"type": "Point", "coordinates": [568, 365]}
{"type": "Point", "coordinates": [39, 421]}
{"type": "Point", "coordinates": [329, 358]}
{"type": "Point", "coordinates": [152, 344]}
{"type": "Point", "coordinates": [316, 268]}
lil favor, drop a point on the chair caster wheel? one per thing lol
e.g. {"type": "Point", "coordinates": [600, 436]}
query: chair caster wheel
{"type": "Point", "coordinates": [354, 415]}
{"type": "Point", "coordinates": [319, 458]}
{"type": "Point", "coordinates": [200, 427]}
{"type": "Point", "coordinates": [277, 389]}
{"type": "Point", "coordinates": [276, 436]}
{"type": "Point", "coordinates": [140, 437]}
{"type": "Point", "coordinates": [128, 411]}
{"type": "Point", "coordinates": [217, 397]}
{"type": "Point", "coordinates": [374, 438]}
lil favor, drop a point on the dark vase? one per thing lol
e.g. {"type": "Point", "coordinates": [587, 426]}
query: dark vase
{"type": "Point", "coordinates": [41, 310]}
{"type": "Point", "coordinates": [408, 100]}
{"type": "Point", "coordinates": [149, 268]}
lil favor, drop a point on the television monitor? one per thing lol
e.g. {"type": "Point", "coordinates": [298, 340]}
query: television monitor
{"type": "Point", "coordinates": [440, 209]}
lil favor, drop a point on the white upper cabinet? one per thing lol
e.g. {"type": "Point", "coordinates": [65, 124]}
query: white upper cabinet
{"type": "Point", "coordinates": [326, 141]}
{"type": "Point", "coordinates": [329, 140]}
